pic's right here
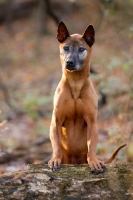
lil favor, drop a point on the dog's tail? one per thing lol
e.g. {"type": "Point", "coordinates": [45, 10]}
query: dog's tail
{"type": "Point", "coordinates": [112, 157]}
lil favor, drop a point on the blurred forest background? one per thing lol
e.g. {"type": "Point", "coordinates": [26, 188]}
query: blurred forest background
{"type": "Point", "coordinates": [30, 70]}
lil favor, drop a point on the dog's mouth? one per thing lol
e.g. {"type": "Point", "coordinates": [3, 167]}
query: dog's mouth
{"type": "Point", "coordinates": [70, 68]}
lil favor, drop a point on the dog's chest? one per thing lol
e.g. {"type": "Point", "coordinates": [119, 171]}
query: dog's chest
{"type": "Point", "coordinates": [74, 109]}
{"type": "Point", "coordinates": [76, 90]}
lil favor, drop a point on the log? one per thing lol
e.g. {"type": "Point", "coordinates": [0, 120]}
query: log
{"type": "Point", "coordinates": [18, 9]}
{"type": "Point", "coordinates": [11, 10]}
{"type": "Point", "coordinates": [71, 182]}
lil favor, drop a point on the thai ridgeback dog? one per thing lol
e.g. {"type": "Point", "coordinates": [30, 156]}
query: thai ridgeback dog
{"type": "Point", "coordinates": [73, 130]}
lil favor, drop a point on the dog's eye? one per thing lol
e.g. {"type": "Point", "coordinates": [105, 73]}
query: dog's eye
{"type": "Point", "coordinates": [81, 49]}
{"type": "Point", "coordinates": [66, 48]}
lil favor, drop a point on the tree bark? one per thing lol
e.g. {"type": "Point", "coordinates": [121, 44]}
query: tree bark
{"type": "Point", "coordinates": [71, 182]}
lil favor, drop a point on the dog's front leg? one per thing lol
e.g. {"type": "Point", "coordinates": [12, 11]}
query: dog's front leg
{"type": "Point", "coordinates": [92, 138]}
{"type": "Point", "coordinates": [55, 137]}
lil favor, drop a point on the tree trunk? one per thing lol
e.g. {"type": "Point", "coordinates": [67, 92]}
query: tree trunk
{"type": "Point", "coordinates": [71, 182]}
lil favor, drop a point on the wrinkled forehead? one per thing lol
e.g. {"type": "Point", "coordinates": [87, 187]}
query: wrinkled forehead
{"type": "Point", "coordinates": [74, 40]}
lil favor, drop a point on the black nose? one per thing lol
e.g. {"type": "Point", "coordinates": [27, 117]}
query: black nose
{"type": "Point", "coordinates": [70, 62]}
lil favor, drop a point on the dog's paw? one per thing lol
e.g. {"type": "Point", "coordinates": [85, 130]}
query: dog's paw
{"type": "Point", "coordinates": [54, 163]}
{"type": "Point", "coordinates": [97, 166]}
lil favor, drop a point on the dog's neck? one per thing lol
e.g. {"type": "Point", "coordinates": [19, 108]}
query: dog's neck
{"type": "Point", "coordinates": [76, 80]}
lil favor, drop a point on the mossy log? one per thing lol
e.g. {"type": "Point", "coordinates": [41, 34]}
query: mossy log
{"type": "Point", "coordinates": [71, 182]}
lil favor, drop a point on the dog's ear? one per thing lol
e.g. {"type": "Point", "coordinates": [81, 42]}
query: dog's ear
{"type": "Point", "coordinates": [62, 32]}
{"type": "Point", "coordinates": [89, 35]}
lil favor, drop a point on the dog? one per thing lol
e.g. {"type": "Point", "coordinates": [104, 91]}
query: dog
{"type": "Point", "coordinates": [73, 129]}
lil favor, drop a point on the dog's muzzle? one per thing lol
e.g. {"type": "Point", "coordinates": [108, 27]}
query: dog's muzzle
{"type": "Point", "coordinates": [70, 64]}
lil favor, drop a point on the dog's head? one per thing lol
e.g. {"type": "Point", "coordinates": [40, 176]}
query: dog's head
{"type": "Point", "coordinates": [75, 49]}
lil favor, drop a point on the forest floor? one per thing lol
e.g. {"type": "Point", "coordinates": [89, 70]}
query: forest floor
{"type": "Point", "coordinates": [30, 69]}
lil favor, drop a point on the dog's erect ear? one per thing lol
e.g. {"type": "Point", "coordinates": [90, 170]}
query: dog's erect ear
{"type": "Point", "coordinates": [62, 32]}
{"type": "Point", "coordinates": [89, 35]}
